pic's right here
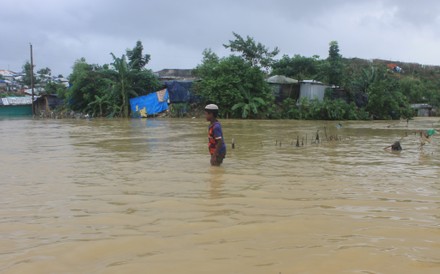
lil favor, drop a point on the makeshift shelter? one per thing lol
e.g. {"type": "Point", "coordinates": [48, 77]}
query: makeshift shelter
{"type": "Point", "coordinates": [176, 74]}
{"type": "Point", "coordinates": [283, 87]}
{"type": "Point", "coordinates": [4, 84]}
{"type": "Point", "coordinates": [16, 101]}
{"type": "Point", "coordinates": [422, 110]}
{"type": "Point", "coordinates": [179, 91]}
{"type": "Point", "coordinates": [395, 68]}
{"type": "Point", "coordinates": [151, 104]}
{"type": "Point", "coordinates": [47, 103]}
{"type": "Point", "coordinates": [281, 80]}
{"type": "Point", "coordinates": [15, 106]}
{"type": "Point", "coordinates": [312, 89]}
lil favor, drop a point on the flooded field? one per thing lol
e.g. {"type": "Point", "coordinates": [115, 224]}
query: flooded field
{"type": "Point", "coordinates": [139, 196]}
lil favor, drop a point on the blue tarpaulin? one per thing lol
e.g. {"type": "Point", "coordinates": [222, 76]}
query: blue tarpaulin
{"type": "Point", "coordinates": [179, 91]}
{"type": "Point", "coordinates": [151, 104]}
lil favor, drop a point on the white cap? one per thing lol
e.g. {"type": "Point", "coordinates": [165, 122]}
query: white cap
{"type": "Point", "coordinates": [211, 107]}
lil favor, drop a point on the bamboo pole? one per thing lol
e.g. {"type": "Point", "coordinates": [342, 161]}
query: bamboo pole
{"type": "Point", "coordinates": [32, 79]}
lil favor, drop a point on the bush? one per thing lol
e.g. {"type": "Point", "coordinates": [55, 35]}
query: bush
{"type": "Point", "coordinates": [179, 110]}
{"type": "Point", "coordinates": [318, 110]}
{"type": "Point", "coordinates": [386, 101]}
{"type": "Point", "coordinates": [238, 88]}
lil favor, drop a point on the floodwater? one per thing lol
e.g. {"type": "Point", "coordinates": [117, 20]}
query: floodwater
{"type": "Point", "coordinates": [139, 196]}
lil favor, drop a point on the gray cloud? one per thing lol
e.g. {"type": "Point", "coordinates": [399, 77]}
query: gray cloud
{"type": "Point", "coordinates": [176, 32]}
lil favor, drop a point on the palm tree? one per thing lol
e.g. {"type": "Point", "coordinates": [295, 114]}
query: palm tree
{"type": "Point", "coordinates": [250, 105]}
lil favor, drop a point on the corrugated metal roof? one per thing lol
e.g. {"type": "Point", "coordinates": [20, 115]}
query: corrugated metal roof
{"type": "Point", "coordinates": [37, 91]}
{"type": "Point", "coordinates": [421, 106]}
{"type": "Point", "coordinates": [281, 80]}
{"type": "Point", "coordinates": [16, 101]}
{"type": "Point", "coordinates": [311, 82]}
{"type": "Point", "coordinates": [7, 73]}
{"type": "Point", "coordinates": [176, 74]}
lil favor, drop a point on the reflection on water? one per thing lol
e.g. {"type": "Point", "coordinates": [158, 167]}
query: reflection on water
{"type": "Point", "coordinates": [139, 196]}
{"type": "Point", "coordinates": [217, 181]}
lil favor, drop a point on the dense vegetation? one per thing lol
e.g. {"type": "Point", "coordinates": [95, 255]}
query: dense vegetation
{"type": "Point", "coordinates": [105, 90]}
{"type": "Point", "coordinates": [237, 83]}
{"type": "Point", "coordinates": [371, 89]}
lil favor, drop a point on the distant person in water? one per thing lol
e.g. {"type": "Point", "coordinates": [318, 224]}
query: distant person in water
{"type": "Point", "coordinates": [217, 146]}
{"type": "Point", "coordinates": [425, 136]}
{"type": "Point", "coordinates": [396, 147]}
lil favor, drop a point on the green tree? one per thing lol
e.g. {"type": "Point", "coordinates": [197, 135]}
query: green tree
{"type": "Point", "coordinates": [131, 81]}
{"type": "Point", "coordinates": [209, 61]}
{"type": "Point", "coordinates": [55, 88]}
{"type": "Point", "coordinates": [27, 74]}
{"type": "Point", "coordinates": [45, 71]}
{"type": "Point", "coordinates": [432, 92]}
{"type": "Point", "coordinates": [44, 76]}
{"type": "Point", "coordinates": [414, 90]}
{"type": "Point", "coordinates": [230, 81]}
{"type": "Point", "coordinates": [143, 80]}
{"type": "Point", "coordinates": [335, 65]}
{"type": "Point", "coordinates": [298, 67]}
{"type": "Point", "coordinates": [137, 60]}
{"type": "Point", "coordinates": [254, 52]}
{"type": "Point", "coordinates": [87, 80]}
{"type": "Point", "coordinates": [106, 90]}
{"type": "Point", "coordinates": [386, 101]}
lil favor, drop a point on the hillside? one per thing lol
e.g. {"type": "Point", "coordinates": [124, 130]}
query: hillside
{"type": "Point", "coordinates": [418, 83]}
{"type": "Point", "coordinates": [413, 70]}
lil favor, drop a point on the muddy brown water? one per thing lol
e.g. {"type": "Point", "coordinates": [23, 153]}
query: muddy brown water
{"type": "Point", "coordinates": [139, 196]}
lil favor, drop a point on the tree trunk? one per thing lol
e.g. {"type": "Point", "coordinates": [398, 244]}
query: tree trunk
{"type": "Point", "coordinates": [124, 108]}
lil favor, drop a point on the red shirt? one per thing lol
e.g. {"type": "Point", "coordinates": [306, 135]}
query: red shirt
{"type": "Point", "coordinates": [215, 133]}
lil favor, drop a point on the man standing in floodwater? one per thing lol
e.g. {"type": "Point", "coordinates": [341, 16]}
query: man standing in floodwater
{"type": "Point", "coordinates": [217, 146]}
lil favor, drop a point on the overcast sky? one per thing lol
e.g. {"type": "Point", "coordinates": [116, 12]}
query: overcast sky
{"type": "Point", "coordinates": [176, 32]}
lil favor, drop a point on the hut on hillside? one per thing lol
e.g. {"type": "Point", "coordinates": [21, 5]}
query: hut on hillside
{"type": "Point", "coordinates": [179, 83]}
{"type": "Point", "coordinates": [312, 89]}
{"type": "Point", "coordinates": [284, 87]}
{"type": "Point", "coordinates": [16, 106]}
{"type": "Point", "coordinates": [176, 75]}
{"type": "Point", "coordinates": [423, 110]}
{"type": "Point", "coordinates": [47, 103]}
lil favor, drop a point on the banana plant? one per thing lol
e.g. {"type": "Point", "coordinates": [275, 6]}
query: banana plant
{"type": "Point", "coordinates": [99, 102]}
{"type": "Point", "coordinates": [250, 105]}
{"type": "Point", "coordinates": [122, 73]}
